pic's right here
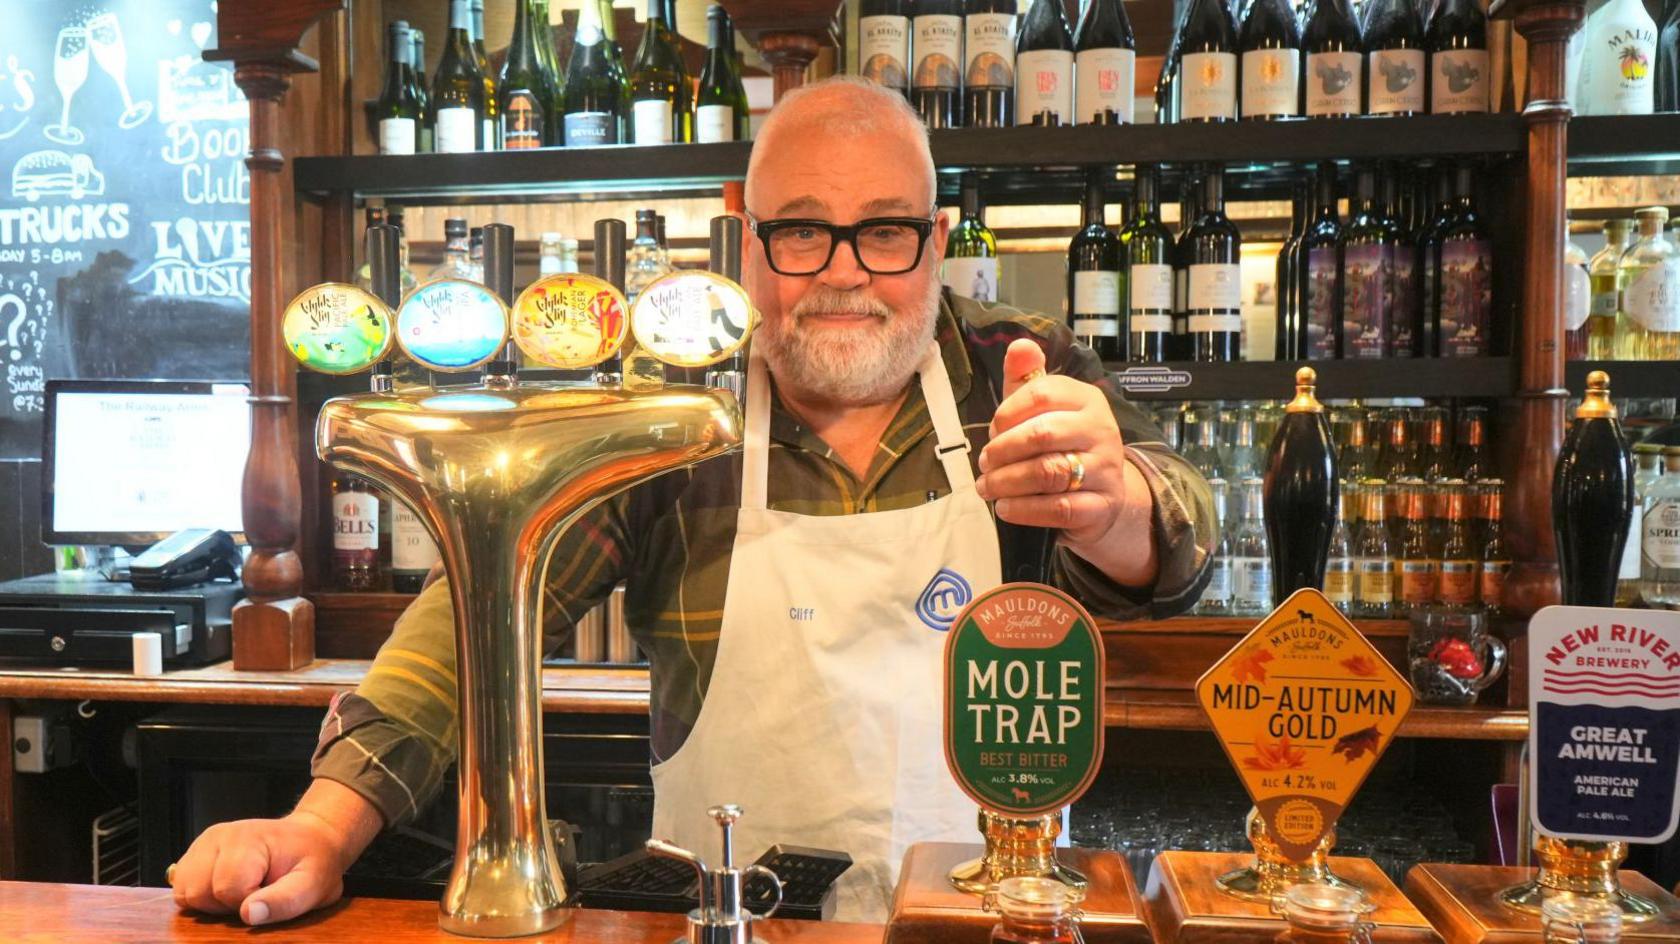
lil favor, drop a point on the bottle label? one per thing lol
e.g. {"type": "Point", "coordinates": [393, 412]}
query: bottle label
{"type": "Point", "coordinates": [1096, 293]}
{"type": "Point", "coordinates": [1652, 297]}
{"type": "Point", "coordinates": [1144, 324]}
{"type": "Point", "coordinates": [1404, 315]}
{"type": "Point", "coordinates": [1492, 589]}
{"type": "Point", "coordinates": [1376, 581]}
{"type": "Point", "coordinates": [1617, 78]}
{"type": "Point", "coordinates": [884, 50]}
{"type": "Point", "coordinates": [1219, 581]}
{"type": "Point", "coordinates": [1338, 581]}
{"type": "Point", "coordinates": [456, 132]}
{"type": "Point", "coordinates": [1271, 81]}
{"type": "Point", "coordinates": [590, 128]}
{"type": "Point", "coordinates": [973, 276]}
{"type": "Point", "coordinates": [1604, 304]}
{"type": "Point", "coordinates": [1418, 580]}
{"type": "Point", "coordinates": [396, 136]}
{"type": "Point", "coordinates": [1459, 81]}
{"type": "Point", "coordinates": [650, 121]}
{"type": "Point", "coordinates": [1366, 274]}
{"type": "Point", "coordinates": [1208, 83]}
{"type": "Point", "coordinates": [1215, 289]}
{"type": "Point", "coordinates": [411, 546]}
{"type": "Point", "coordinates": [1252, 580]}
{"type": "Point", "coordinates": [1629, 569]}
{"type": "Point", "coordinates": [1103, 84]}
{"type": "Point", "coordinates": [1660, 544]}
{"type": "Point", "coordinates": [1333, 83]}
{"type": "Point", "coordinates": [1458, 582]}
{"type": "Point", "coordinates": [1466, 289]}
{"type": "Point", "coordinates": [1096, 327]}
{"type": "Point", "coordinates": [714, 123]}
{"type": "Point", "coordinates": [1397, 81]}
{"type": "Point", "coordinates": [938, 49]}
{"type": "Point", "coordinates": [1150, 292]}
{"type": "Point", "coordinates": [1577, 297]}
{"type": "Point", "coordinates": [522, 122]}
{"type": "Point", "coordinates": [1045, 85]}
{"type": "Point", "coordinates": [1319, 303]}
{"type": "Point", "coordinates": [989, 50]}
{"type": "Point", "coordinates": [1214, 324]}
{"type": "Point", "coordinates": [355, 521]}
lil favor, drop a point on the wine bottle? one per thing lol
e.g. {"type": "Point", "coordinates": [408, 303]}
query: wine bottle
{"type": "Point", "coordinates": [1291, 341]}
{"type": "Point", "coordinates": [1592, 499]}
{"type": "Point", "coordinates": [1189, 208]}
{"type": "Point", "coordinates": [1335, 60]}
{"type": "Point", "coordinates": [417, 88]}
{"type": "Point", "coordinates": [1458, 58]}
{"type": "Point", "coordinates": [398, 111]}
{"type": "Point", "coordinates": [971, 254]}
{"type": "Point", "coordinates": [595, 91]}
{"type": "Point", "coordinates": [884, 43]}
{"type": "Point", "coordinates": [1666, 96]}
{"type": "Point", "coordinates": [1146, 263]}
{"type": "Point", "coordinates": [1207, 63]}
{"type": "Point", "coordinates": [1367, 262]}
{"type": "Point", "coordinates": [659, 111]}
{"type": "Point", "coordinates": [1104, 60]}
{"type": "Point", "coordinates": [936, 80]}
{"type": "Point", "coordinates": [989, 63]}
{"type": "Point", "coordinates": [1271, 61]}
{"type": "Point", "coordinates": [1463, 265]}
{"type": "Point", "coordinates": [1044, 67]}
{"type": "Point", "coordinates": [1301, 492]}
{"type": "Point", "coordinates": [1167, 84]}
{"type": "Point", "coordinates": [481, 62]}
{"type": "Point", "coordinates": [1606, 290]}
{"type": "Point", "coordinates": [1429, 249]}
{"type": "Point", "coordinates": [1405, 318]}
{"type": "Point", "coordinates": [1320, 273]}
{"type": "Point", "coordinates": [1616, 67]}
{"type": "Point", "coordinates": [457, 100]}
{"type": "Point", "coordinates": [553, 74]}
{"type": "Point", "coordinates": [1214, 300]}
{"type": "Point", "coordinates": [524, 112]}
{"type": "Point", "coordinates": [1094, 278]}
{"type": "Point", "coordinates": [721, 112]}
{"type": "Point", "coordinates": [476, 25]}
{"type": "Point", "coordinates": [1396, 65]}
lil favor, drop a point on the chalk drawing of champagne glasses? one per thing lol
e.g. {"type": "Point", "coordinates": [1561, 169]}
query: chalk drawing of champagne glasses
{"type": "Point", "coordinates": [70, 69]}
{"type": "Point", "coordinates": [112, 55]}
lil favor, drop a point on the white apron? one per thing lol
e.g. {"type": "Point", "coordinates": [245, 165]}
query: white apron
{"type": "Point", "coordinates": [823, 715]}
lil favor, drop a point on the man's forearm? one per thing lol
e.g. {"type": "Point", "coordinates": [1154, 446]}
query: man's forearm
{"type": "Point", "coordinates": [1126, 554]}
{"type": "Point", "coordinates": [349, 817]}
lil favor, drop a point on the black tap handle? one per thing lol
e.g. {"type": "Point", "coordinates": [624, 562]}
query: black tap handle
{"type": "Point", "coordinates": [498, 277]}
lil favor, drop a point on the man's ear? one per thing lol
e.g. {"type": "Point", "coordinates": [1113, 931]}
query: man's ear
{"type": "Point", "coordinates": [941, 233]}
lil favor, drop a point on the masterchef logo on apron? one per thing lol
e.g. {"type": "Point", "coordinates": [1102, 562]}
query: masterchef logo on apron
{"type": "Point", "coordinates": [942, 599]}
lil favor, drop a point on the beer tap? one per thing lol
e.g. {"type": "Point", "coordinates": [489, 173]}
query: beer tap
{"type": "Point", "coordinates": [721, 917]}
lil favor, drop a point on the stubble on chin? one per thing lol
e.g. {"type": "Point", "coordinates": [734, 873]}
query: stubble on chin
{"type": "Point", "coordinates": [850, 365]}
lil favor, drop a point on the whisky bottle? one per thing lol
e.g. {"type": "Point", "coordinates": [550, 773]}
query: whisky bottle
{"type": "Point", "coordinates": [413, 552]}
{"type": "Point", "coordinates": [1606, 290]}
{"type": "Point", "coordinates": [355, 542]}
{"type": "Point", "coordinates": [1648, 468]}
{"type": "Point", "coordinates": [1300, 492]}
{"type": "Point", "coordinates": [1496, 559]}
{"type": "Point", "coordinates": [1592, 499]}
{"type": "Point", "coordinates": [1251, 556]}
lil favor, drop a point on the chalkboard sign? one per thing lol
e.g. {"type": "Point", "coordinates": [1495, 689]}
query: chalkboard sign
{"type": "Point", "coordinates": [124, 216]}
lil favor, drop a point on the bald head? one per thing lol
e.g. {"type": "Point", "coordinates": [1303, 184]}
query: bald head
{"type": "Point", "coordinates": [845, 107]}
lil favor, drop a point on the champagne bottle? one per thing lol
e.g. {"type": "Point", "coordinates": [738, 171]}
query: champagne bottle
{"type": "Point", "coordinates": [1271, 61]}
{"type": "Point", "coordinates": [457, 101]}
{"type": "Point", "coordinates": [1291, 341]}
{"type": "Point", "coordinates": [936, 45]}
{"type": "Point", "coordinates": [1458, 58]}
{"type": "Point", "coordinates": [1367, 263]}
{"type": "Point", "coordinates": [989, 63]}
{"type": "Point", "coordinates": [1094, 278]}
{"type": "Point", "coordinates": [971, 254]}
{"type": "Point", "coordinates": [595, 90]}
{"type": "Point", "coordinates": [1463, 279]}
{"type": "Point", "coordinates": [721, 112]}
{"type": "Point", "coordinates": [1207, 63]}
{"type": "Point", "coordinates": [1649, 273]}
{"type": "Point", "coordinates": [1300, 492]}
{"type": "Point", "coordinates": [1104, 61]}
{"type": "Point", "coordinates": [1592, 499]}
{"type": "Point", "coordinates": [524, 107]}
{"type": "Point", "coordinates": [1214, 280]}
{"type": "Point", "coordinates": [1146, 260]}
{"type": "Point", "coordinates": [1321, 271]}
{"type": "Point", "coordinates": [1044, 67]}
{"type": "Point", "coordinates": [1335, 60]}
{"type": "Point", "coordinates": [481, 62]}
{"type": "Point", "coordinates": [553, 75]}
{"type": "Point", "coordinates": [659, 109]}
{"type": "Point", "coordinates": [884, 43]}
{"type": "Point", "coordinates": [398, 111]}
{"type": "Point", "coordinates": [1396, 64]}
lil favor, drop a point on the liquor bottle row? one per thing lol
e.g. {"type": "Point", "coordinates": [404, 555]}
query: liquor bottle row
{"type": "Point", "coordinates": [1624, 302]}
{"type": "Point", "coordinates": [377, 543]}
{"type": "Point", "coordinates": [533, 103]}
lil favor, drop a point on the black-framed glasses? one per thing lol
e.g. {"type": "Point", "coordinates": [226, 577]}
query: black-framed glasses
{"type": "Point", "coordinates": [883, 245]}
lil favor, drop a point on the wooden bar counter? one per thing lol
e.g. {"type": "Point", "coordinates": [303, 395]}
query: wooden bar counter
{"type": "Point", "coordinates": [37, 913]}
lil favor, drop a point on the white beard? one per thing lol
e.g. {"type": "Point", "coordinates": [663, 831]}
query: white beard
{"type": "Point", "coordinates": [857, 365]}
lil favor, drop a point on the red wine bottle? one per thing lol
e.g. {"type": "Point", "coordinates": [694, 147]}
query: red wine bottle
{"type": "Point", "coordinates": [1104, 57]}
{"type": "Point", "coordinates": [1320, 272]}
{"type": "Point", "coordinates": [1367, 259]}
{"type": "Point", "coordinates": [1291, 342]}
{"type": "Point", "coordinates": [1458, 58]}
{"type": "Point", "coordinates": [989, 63]}
{"type": "Point", "coordinates": [1335, 60]}
{"type": "Point", "coordinates": [1396, 65]}
{"type": "Point", "coordinates": [1271, 61]}
{"type": "Point", "coordinates": [1044, 67]}
{"type": "Point", "coordinates": [1094, 278]}
{"type": "Point", "coordinates": [936, 28]}
{"type": "Point", "coordinates": [1206, 83]}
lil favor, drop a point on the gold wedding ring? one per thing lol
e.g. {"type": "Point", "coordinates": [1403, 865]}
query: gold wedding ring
{"type": "Point", "coordinates": [1076, 472]}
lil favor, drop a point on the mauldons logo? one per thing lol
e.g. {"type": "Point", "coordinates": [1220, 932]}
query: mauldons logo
{"type": "Point", "coordinates": [942, 599]}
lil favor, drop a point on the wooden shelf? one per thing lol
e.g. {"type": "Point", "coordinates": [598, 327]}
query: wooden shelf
{"type": "Point", "coordinates": [1627, 378]}
{"type": "Point", "coordinates": [1624, 145]}
{"type": "Point", "coordinates": [1337, 380]}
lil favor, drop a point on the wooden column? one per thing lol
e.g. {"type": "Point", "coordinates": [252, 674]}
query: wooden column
{"type": "Point", "coordinates": [274, 627]}
{"type": "Point", "coordinates": [1534, 434]}
{"type": "Point", "coordinates": [787, 33]}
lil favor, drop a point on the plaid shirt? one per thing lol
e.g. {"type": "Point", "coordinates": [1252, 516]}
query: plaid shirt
{"type": "Point", "coordinates": [670, 541]}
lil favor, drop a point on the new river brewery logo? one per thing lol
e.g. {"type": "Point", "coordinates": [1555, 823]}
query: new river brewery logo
{"type": "Point", "coordinates": [1024, 700]}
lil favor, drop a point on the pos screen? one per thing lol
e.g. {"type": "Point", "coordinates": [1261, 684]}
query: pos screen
{"type": "Point", "coordinates": [130, 462]}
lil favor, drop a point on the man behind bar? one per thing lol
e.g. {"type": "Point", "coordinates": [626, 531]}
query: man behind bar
{"type": "Point", "coordinates": [775, 590]}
